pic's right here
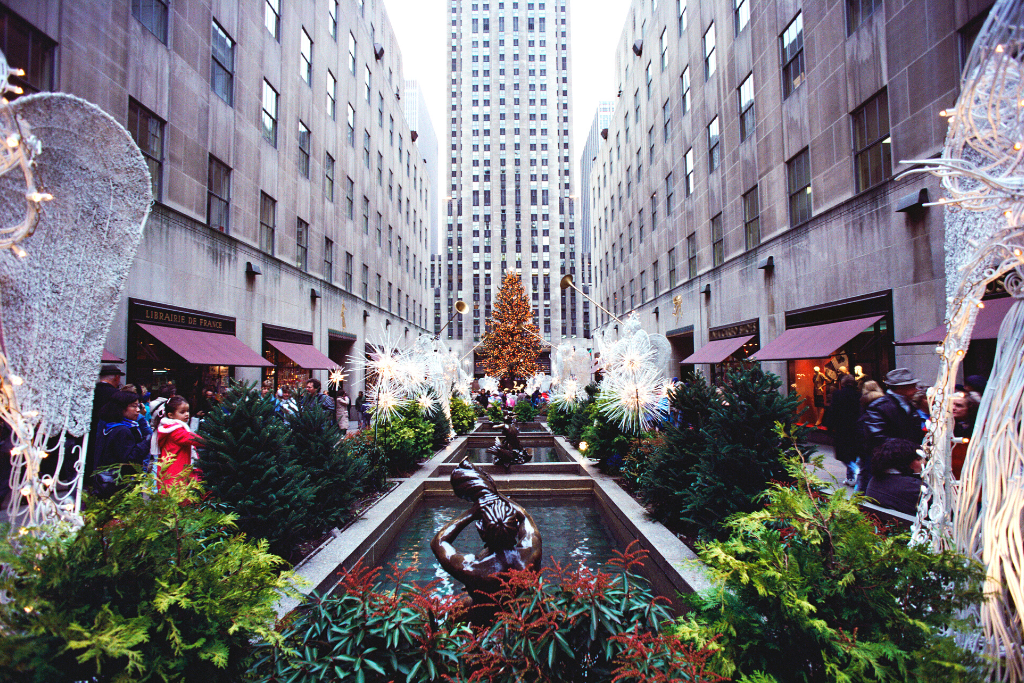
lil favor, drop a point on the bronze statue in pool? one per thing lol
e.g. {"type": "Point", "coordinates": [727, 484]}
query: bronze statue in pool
{"type": "Point", "coordinates": [510, 536]}
{"type": "Point", "coordinates": [507, 450]}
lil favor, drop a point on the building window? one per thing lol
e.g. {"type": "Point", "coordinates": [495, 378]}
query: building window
{"type": "Point", "coordinates": [793, 56]}
{"type": "Point", "coordinates": [691, 255]}
{"type": "Point", "coordinates": [714, 150]}
{"type": "Point", "coordinates": [303, 150]}
{"type": "Point", "coordinates": [717, 241]}
{"type": "Point", "coordinates": [268, 222]}
{"type": "Point", "coordinates": [710, 58]}
{"type": "Point", "coordinates": [28, 49]}
{"type": "Point", "coordinates": [329, 259]}
{"type": "Point", "coordinates": [967, 36]}
{"type": "Point", "coordinates": [366, 283]}
{"type": "Point", "coordinates": [305, 57]}
{"type": "Point", "coordinates": [685, 78]}
{"type": "Point", "coordinates": [272, 17]}
{"type": "Point", "coordinates": [669, 194]}
{"type": "Point", "coordinates": [301, 244]}
{"type": "Point", "coordinates": [671, 268]}
{"type": "Point", "coordinates": [218, 194]}
{"type": "Point", "coordinates": [664, 48]}
{"type": "Point", "coordinates": [147, 129]}
{"type": "Point", "coordinates": [751, 218]}
{"type": "Point", "coordinates": [746, 95]}
{"type": "Point", "coordinates": [857, 11]}
{"type": "Point", "coordinates": [153, 15]}
{"type": "Point", "coordinates": [366, 149]}
{"type": "Point", "coordinates": [681, 11]}
{"type": "Point", "coordinates": [666, 116]}
{"type": "Point", "coordinates": [378, 290]}
{"type": "Point", "coordinates": [798, 171]}
{"type": "Point", "coordinates": [350, 198]}
{"type": "Point", "coordinates": [347, 282]}
{"type": "Point", "coordinates": [741, 14]}
{"type": "Point", "coordinates": [871, 142]}
{"type": "Point", "coordinates": [367, 83]}
{"type": "Point", "coordinates": [688, 170]}
{"type": "Point", "coordinates": [352, 53]}
{"type": "Point", "coordinates": [332, 18]}
{"type": "Point", "coordinates": [328, 177]}
{"type": "Point", "coordinates": [351, 122]}
{"type": "Point", "coordinates": [270, 99]}
{"type": "Point", "coordinates": [222, 64]}
{"type": "Point", "coordinates": [654, 280]}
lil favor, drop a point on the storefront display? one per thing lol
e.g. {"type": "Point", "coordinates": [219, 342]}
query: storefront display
{"type": "Point", "coordinates": [292, 355]}
{"type": "Point", "coordinates": [189, 350]}
{"type": "Point", "coordinates": [822, 344]}
{"type": "Point", "coordinates": [728, 346]}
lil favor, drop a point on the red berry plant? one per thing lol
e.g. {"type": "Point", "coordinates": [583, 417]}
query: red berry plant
{"type": "Point", "coordinates": [561, 624]}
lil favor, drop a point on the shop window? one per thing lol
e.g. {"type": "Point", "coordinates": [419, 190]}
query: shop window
{"type": "Point", "coordinates": [153, 15]}
{"type": "Point", "coordinates": [871, 142]}
{"type": "Point", "coordinates": [746, 95]}
{"type": "Point", "coordinates": [305, 57]}
{"type": "Point", "coordinates": [147, 130]}
{"type": "Point", "coordinates": [218, 194]}
{"type": "Point", "coordinates": [751, 218]}
{"type": "Point", "coordinates": [268, 222]}
{"type": "Point", "coordinates": [271, 17]}
{"type": "Point", "coordinates": [329, 259]}
{"type": "Point", "coordinates": [717, 241]}
{"type": "Point", "coordinates": [792, 44]}
{"type": "Point", "coordinates": [798, 171]}
{"type": "Point", "coordinates": [857, 12]}
{"type": "Point", "coordinates": [691, 255]}
{"type": "Point", "coordinates": [222, 64]}
{"type": "Point", "coordinates": [269, 118]}
{"type": "Point", "coordinates": [303, 150]}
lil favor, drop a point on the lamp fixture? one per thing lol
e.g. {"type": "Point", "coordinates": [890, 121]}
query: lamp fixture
{"type": "Point", "coordinates": [706, 290]}
{"type": "Point", "coordinates": [252, 269]}
{"type": "Point", "coordinates": [314, 294]}
{"type": "Point", "coordinates": [767, 263]}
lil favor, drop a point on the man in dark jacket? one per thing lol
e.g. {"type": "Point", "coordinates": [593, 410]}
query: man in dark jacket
{"type": "Point", "coordinates": [106, 387]}
{"type": "Point", "coordinates": [893, 416]}
{"type": "Point", "coordinates": [323, 400]}
{"type": "Point", "coordinates": [842, 417]}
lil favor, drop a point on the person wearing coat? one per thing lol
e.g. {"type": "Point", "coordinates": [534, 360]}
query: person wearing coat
{"type": "Point", "coordinates": [176, 443]}
{"type": "Point", "coordinates": [119, 440]}
{"type": "Point", "coordinates": [896, 481]}
{"type": "Point", "coordinates": [341, 411]}
{"type": "Point", "coordinates": [842, 420]}
{"type": "Point", "coordinates": [893, 416]}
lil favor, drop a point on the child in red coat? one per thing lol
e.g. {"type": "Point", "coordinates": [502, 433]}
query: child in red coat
{"type": "Point", "coordinates": [176, 442]}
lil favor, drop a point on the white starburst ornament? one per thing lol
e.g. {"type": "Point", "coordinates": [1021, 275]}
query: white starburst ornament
{"type": "Point", "coordinates": [633, 400]}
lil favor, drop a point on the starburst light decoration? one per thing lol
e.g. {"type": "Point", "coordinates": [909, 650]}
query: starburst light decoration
{"type": "Point", "coordinates": [982, 172]}
{"type": "Point", "coordinates": [336, 378]}
{"type": "Point", "coordinates": [568, 394]}
{"type": "Point", "coordinates": [633, 399]}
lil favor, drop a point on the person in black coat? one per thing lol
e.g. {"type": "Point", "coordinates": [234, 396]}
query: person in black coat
{"type": "Point", "coordinates": [896, 481]}
{"type": "Point", "coordinates": [107, 385]}
{"type": "Point", "coordinates": [842, 420]}
{"type": "Point", "coordinates": [893, 416]}
{"type": "Point", "coordinates": [119, 439]}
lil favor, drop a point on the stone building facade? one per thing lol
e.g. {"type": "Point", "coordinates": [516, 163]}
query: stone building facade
{"type": "Point", "coordinates": [748, 186]}
{"type": "Point", "coordinates": [292, 205]}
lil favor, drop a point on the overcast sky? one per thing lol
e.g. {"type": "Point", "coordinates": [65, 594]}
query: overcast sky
{"type": "Point", "coordinates": [422, 30]}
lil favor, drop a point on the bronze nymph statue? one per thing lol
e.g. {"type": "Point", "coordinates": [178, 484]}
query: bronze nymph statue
{"type": "Point", "coordinates": [510, 536]}
{"type": "Point", "coordinates": [507, 450]}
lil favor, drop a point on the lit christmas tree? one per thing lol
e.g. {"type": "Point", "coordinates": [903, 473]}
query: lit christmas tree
{"type": "Point", "coordinates": [511, 344]}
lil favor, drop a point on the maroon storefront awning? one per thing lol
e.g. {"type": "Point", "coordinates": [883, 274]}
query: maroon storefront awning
{"type": "Point", "coordinates": [304, 355]}
{"type": "Point", "coordinates": [206, 348]}
{"type": "Point", "coordinates": [109, 357]}
{"type": "Point", "coordinates": [815, 341]}
{"type": "Point", "coordinates": [986, 325]}
{"type": "Point", "coordinates": [717, 351]}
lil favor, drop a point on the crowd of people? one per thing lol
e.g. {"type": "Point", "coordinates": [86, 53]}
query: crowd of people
{"type": "Point", "coordinates": [509, 398]}
{"type": "Point", "coordinates": [876, 433]}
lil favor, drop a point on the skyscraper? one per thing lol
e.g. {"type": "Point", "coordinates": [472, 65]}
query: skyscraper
{"type": "Point", "coordinates": [510, 183]}
{"type": "Point", "coordinates": [418, 117]}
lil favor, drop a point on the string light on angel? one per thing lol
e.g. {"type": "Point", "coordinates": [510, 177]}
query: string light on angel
{"type": "Point", "coordinates": [982, 173]}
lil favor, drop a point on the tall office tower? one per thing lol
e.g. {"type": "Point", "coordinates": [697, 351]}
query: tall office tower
{"type": "Point", "coordinates": [418, 117]}
{"type": "Point", "coordinates": [598, 131]}
{"type": "Point", "coordinates": [510, 179]}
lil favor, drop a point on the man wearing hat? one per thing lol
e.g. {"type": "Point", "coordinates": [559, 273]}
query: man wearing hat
{"type": "Point", "coordinates": [107, 386]}
{"type": "Point", "coordinates": [893, 416]}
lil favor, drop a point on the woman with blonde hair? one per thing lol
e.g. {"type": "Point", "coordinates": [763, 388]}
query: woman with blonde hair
{"type": "Point", "coordinates": [869, 391]}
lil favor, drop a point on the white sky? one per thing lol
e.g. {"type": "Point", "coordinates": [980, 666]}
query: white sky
{"type": "Point", "coordinates": [422, 28]}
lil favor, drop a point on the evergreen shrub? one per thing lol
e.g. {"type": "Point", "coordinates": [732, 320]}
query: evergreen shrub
{"type": "Point", "coordinates": [525, 411]}
{"type": "Point", "coordinates": [808, 592]}
{"type": "Point", "coordinates": [407, 440]}
{"type": "Point", "coordinates": [152, 587]}
{"type": "Point", "coordinates": [724, 452]}
{"type": "Point", "coordinates": [558, 420]}
{"type": "Point", "coordinates": [463, 416]}
{"type": "Point", "coordinates": [494, 413]}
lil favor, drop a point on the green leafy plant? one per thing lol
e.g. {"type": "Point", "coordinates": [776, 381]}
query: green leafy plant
{"type": "Point", "coordinates": [406, 440]}
{"type": "Point", "coordinates": [440, 425]}
{"type": "Point", "coordinates": [152, 587]}
{"type": "Point", "coordinates": [723, 454]}
{"type": "Point", "coordinates": [525, 411]}
{"type": "Point", "coordinates": [494, 413]}
{"type": "Point", "coordinates": [557, 625]}
{"type": "Point", "coordinates": [605, 442]}
{"type": "Point", "coordinates": [809, 592]}
{"type": "Point", "coordinates": [463, 416]}
{"type": "Point", "coordinates": [559, 419]}
{"type": "Point", "coordinates": [248, 464]}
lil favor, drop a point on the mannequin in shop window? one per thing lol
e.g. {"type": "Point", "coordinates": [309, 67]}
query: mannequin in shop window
{"type": "Point", "coordinates": [820, 388]}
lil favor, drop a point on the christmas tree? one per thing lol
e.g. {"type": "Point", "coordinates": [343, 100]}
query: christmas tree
{"type": "Point", "coordinates": [512, 342]}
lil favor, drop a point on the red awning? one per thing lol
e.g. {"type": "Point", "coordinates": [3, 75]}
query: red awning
{"type": "Point", "coordinates": [986, 325]}
{"type": "Point", "coordinates": [304, 355]}
{"type": "Point", "coordinates": [717, 351]}
{"type": "Point", "coordinates": [816, 341]}
{"type": "Point", "coordinates": [206, 348]}
{"type": "Point", "coordinates": [108, 357]}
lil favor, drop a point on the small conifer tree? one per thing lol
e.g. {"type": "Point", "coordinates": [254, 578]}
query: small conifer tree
{"type": "Point", "coordinates": [511, 344]}
{"type": "Point", "coordinates": [247, 463]}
